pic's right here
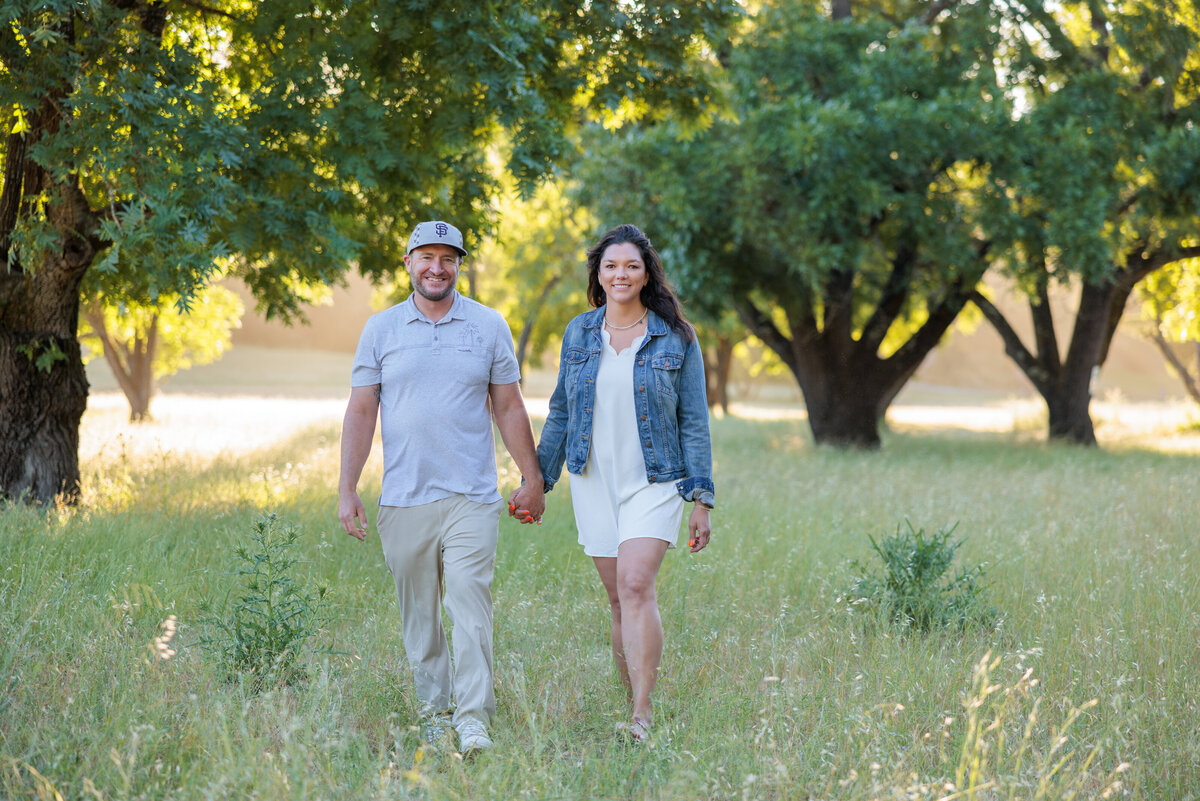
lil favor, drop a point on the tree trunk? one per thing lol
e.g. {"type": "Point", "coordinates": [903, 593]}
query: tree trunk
{"type": "Point", "coordinates": [1070, 413]}
{"type": "Point", "coordinates": [1069, 398]}
{"type": "Point", "coordinates": [1066, 385]}
{"type": "Point", "coordinates": [845, 407]}
{"type": "Point", "coordinates": [530, 321]}
{"type": "Point", "coordinates": [40, 411]}
{"type": "Point", "coordinates": [717, 367]}
{"type": "Point", "coordinates": [43, 386]}
{"type": "Point", "coordinates": [847, 386]}
{"type": "Point", "coordinates": [132, 365]}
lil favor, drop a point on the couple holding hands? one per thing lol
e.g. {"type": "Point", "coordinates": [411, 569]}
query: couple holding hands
{"type": "Point", "coordinates": [628, 417]}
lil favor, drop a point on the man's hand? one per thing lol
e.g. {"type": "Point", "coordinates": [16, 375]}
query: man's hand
{"type": "Point", "coordinates": [527, 503]}
{"type": "Point", "coordinates": [353, 515]}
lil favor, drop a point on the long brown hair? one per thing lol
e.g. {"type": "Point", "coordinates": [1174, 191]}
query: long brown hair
{"type": "Point", "coordinates": [657, 295]}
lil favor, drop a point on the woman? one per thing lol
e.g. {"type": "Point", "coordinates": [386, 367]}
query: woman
{"type": "Point", "coordinates": [630, 419]}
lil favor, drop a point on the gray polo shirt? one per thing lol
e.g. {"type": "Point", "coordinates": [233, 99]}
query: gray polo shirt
{"type": "Point", "coordinates": [434, 418]}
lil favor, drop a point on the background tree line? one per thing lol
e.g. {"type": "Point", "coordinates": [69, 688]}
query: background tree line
{"type": "Point", "coordinates": [833, 180]}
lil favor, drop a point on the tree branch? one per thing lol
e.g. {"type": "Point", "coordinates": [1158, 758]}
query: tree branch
{"type": "Point", "coordinates": [111, 351]}
{"type": "Point", "coordinates": [1190, 382]}
{"type": "Point", "coordinates": [839, 308]}
{"type": "Point", "coordinates": [891, 301]}
{"type": "Point", "coordinates": [935, 10]}
{"type": "Point", "coordinates": [1044, 336]}
{"type": "Point", "coordinates": [1016, 350]}
{"type": "Point", "coordinates": [1053, 33]}
{"type": "Point", "coordinates": [762, 326]}
{"type": "Point", "coordinates": [1100, 28]}
{"type": "Point", "coordinates": [204, 8]}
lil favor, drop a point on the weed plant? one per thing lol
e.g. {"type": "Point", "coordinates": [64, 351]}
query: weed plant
{"type": "Point", "coordinates": [916, 588]}
{"type": "Point", "coordinates": [262, 637]}
{"type": "Point", "coordinates": [1086, 687]}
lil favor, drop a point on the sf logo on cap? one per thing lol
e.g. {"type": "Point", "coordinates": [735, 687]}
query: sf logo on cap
{"type": "Point", "coordinates": [442, 229]}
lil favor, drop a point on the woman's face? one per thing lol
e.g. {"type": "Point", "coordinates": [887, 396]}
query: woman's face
{"type": "Point", "coordinates": [622, 273]}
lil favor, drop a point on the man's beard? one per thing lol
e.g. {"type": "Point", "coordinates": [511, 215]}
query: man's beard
{"type": "Point", "coordinates": [419, 286]}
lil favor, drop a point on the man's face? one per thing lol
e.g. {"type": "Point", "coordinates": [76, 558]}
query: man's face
{"type": "Point", "coordinates": [434, 270]}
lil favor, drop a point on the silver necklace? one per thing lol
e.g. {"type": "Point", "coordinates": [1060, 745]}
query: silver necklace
{"type": "Point", "coordinates": [625, 327]}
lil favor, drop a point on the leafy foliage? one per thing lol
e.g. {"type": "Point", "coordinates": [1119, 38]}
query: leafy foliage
{"type": "Point", "coordinates": [152, 143]}
{"type": "Point", "coordinates": [914, 588]}
{"type": "Point", "coordinates": [1103, 189]}
{"type": "Point", "coordinates": [1171, 313]}
{"type": "Point", "coordinates": [836, 206]}
{"type": "Point", "coordinates": [144, 342]}
{"type": "Point", "coordinates": [534, 268]}
{"type": "Point", "coordinates": [265, 633]}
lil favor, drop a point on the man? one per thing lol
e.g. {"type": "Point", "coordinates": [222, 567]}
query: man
{"type": "Point", "coordinates": [428, 367]}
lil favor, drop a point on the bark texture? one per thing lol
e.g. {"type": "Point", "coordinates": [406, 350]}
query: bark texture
{"type": "Point", "coordinates": [43, 387]}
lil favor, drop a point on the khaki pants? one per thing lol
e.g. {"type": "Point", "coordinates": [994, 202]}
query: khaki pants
{"type": "Point", "coordinates": [444, 554]}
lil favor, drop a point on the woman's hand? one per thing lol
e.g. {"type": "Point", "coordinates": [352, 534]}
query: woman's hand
{"type": "Point", "coordinates": [699, 529]}
{"type": "Point", "coordinates": [527, 504]}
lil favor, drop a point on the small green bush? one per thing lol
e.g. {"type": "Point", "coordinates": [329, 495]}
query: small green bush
{"type": "Point", "coordinates": [914, 588]}
{"type": "Point", "coordinates": [263, 636]}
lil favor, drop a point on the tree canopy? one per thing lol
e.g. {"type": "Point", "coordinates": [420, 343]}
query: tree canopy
{"type": "Point", "coordinates": [1105, 188]}
{"type": "Point", "coordinates": [152, 140]}
{"type": "Point", "coordinates": [877, 159]}
{"type": "Point", "coordinates": [838, 205]}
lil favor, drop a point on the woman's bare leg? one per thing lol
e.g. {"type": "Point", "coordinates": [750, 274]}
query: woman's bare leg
{"type": "Point", "coordinates": [638, 561]}
{"type": "Point", "coordinates": [606, 566]}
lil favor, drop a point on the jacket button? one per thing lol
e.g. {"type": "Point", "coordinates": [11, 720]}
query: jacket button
{"type": "Point", "coordinates": [652, 479]}
{"type": "Point", "coordinates": [647, 443]}
{"type": "Point", "coordinates": [641, 389]}
{"type": "Point", "coordinates": [643, 417]}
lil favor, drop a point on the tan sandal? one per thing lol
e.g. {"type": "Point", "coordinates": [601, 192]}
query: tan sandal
{"type": "Point", "coordinates": [637, 730]}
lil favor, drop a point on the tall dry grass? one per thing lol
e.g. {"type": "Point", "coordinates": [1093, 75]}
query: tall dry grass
{"type": "Point", "coordinates": [770, 688]}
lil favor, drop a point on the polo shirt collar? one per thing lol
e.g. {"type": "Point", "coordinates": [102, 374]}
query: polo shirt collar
{"type": "Point", "coordinates": [412, 313]}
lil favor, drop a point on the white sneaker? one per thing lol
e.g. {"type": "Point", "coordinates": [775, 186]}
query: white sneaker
{"type": "Point", "coordinates": [472, 736]}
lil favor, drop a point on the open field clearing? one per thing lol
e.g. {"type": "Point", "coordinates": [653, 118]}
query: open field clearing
{"type": "Point", "coordinates": [772, 687]}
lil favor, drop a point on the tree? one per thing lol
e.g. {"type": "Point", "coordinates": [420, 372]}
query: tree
{"type": "Point", "coordinates": [836, 207]}
{"type": "Point", "coordinates": [1171, 308]}
{"type": "Point", "coordinates": [144, 343]}
{"type": "Point", "coordinates": [113, 124]}
{"type": "Point", "coordinates": [1107, 187]}
{"type": "Point", "coordinates": [295, 138]}
{"type": "Point", "coordinates": [720, 334]}
{"type": "Point", "coordinates": [536, 267]}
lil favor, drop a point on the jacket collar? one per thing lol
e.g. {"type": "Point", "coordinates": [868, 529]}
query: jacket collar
{"type": "Point", "coordinates": [655, 325]}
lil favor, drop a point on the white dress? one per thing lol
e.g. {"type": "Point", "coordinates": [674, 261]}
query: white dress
{"type": "Point", "coordinates": [613, 499]}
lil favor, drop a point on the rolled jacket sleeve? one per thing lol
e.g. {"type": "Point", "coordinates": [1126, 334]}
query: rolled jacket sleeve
{"type": "Point", "coordinates": [692, 415]}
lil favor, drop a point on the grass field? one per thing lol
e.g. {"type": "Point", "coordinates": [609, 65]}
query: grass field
{"type": "Point", "coordinates": [771, 688]}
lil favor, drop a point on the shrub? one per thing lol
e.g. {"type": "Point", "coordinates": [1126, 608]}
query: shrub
{"type": "Point", "coordinates": [914, 588]}
{"type": "Point", "coordinates": [263, 636]}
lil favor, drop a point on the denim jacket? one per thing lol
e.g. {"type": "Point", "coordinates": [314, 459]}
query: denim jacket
{"type": "Point", "coordinates": [669, 396]}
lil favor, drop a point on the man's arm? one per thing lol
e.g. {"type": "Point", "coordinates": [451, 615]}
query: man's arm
{"type": "Point", "coordinates": [358, 431]}
{"type": "Point", "coordinates": [513, 421]}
